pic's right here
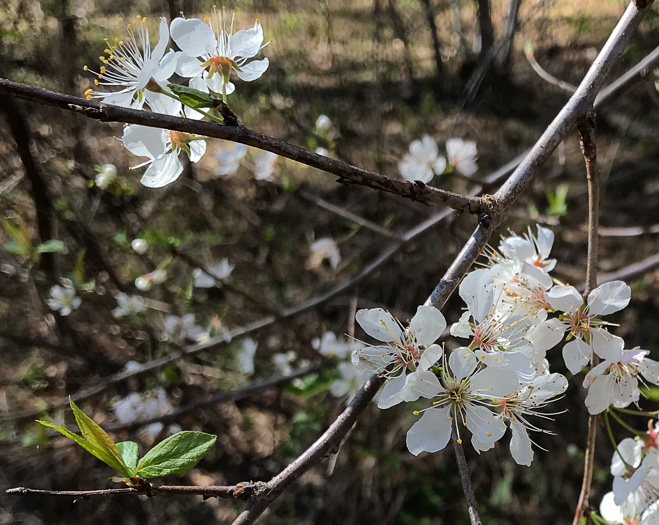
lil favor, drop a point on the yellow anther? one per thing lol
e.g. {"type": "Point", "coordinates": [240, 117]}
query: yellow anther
{"type": "Point", "coordinates": [101, 58]}
{"type": "Point", "coordinates": [459, 441]}
{"type": "Point", "coordinates": [121, 20]}
{"type": "Point", "coordinates": [89, 97]}
{"type": "Point", "coordinates": [103, 69]}
{"type": "Point", "coordinates": [416, 412]}
{"type": "Point", "coordinates": [99, 75]}
{"type": "Point", "coordinates": [138, 17]}
{"type": "Point", "coordinates": [489, 434]}
{"type": "Point", "coordinates": [144, 20]}
{"type": "Point", "coordinates": [85, 68]}
{"type": "Point", "coordinates": [95, 82]}
{"type": "Point", "coordinates": [88, 92]}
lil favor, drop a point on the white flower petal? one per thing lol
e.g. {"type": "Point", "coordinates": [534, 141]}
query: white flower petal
{"type": "Point", "coordinates": [197, 150]}
{"type": "Point", "coordinates": [246, 43]}
{"type": "Point", "coordinates": [391, 393]}
{"type": "Point", "coordinates": [431, 433]}
{"type": "Point", "coordinates": [606, 345]}
{"type": "Point", "coordinates": [482, 422]}
{"type": "Point", "coordinates": [477, 290]}
{"type": "Point", "coordinates": [421, 384]}
{"type": "Point", "coordinates": [520, 444]}
{"type": "Point", "coordinates": [427, 325]}
{"type": "Point", "coordinates": [462, 362]}
{"type": "Point", "coordinates": [564, 298]}
{"type": "Point", "coordinates": [144, 141]}
{"type": "Point", "coordinates": [609, 298]}
{"type": "Point", "coordinates": [379, 324]}
{"type": "Point", "coordinates": [193, 36]}
{"type": "Point", "coordinates": [576, 355]}
{"type": "Point", "coordinates": [253, 70]}
{"type": "Point", "coordinates": [430, 356]}
{"type": "Point", "coordinates": [162, 171]}
{"type": "Point", "coordinates": [599, 394]}
{"type": "Point", "coordinates": [495, 382]}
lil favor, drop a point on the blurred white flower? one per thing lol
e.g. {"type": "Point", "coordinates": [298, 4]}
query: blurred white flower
{"type": "Point", "coordinates": [143, 284]}
{"type": "Point", "coordinates": [140, 246]}
{"type": "Point", "coordinates": [423, 161]}
{"type": "Point", "coordinates": [185, 327]}
{"type": "Point", "coordinates": [229, 159]}
{"type": "Point", "coordinates": [220, 270]}
{"type": "Point", "coordinates": [321, 151]}
{"type": "Point", "coordinates": [140, 407]}
{"type": "Point", "coordinates": [331, 346]}
{"type": "Point", "coordinates": [63, 299]}
{"type": "Point", "coordinates": [324, 248]}
{"type": "Point", "coordinates": [462, 155]}
{"type": "Point", "coordinates": [323, 123]}
{"type": "Point", "coordinates": [128, 305]}
{"type": "Point", "coordinates": [283, 362]}
{"type": "Point", "coordinates": [264, 165]}
{"type": "Point", "coordinates": [106, 174]}
{"type": "Point", "coordinates": [159, 276]}
{"type": "Point", "coordinates": [349, 381]}
{"type": "Point", "coordinates": [246, 356]}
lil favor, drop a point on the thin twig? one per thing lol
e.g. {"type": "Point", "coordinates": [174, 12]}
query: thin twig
{"type": "Point", "coordinates": [341, 212]}
{"type": "Point", "coordinates": [241, 491]}
{"type": "Point", "coordinates": [546, 76]}
{"type": "Point", "coordinates": [588, 145]}
{"type": "Point", "coordinates": [346, 173]}
{"type": "Point", "coordinates": [463, 470]}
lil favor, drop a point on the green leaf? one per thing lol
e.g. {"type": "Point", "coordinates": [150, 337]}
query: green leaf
{"type": "Point", "coordinates": [16, 248]}
{"type": "Point", "coordinates": [129, 452]}
{"type": "Point", "coordinates": [191, 97]}
{"type": "Point", "coordinates": [52, 246]}
{"type": "Point", "coordinates": [175, 455]}
{"type": "Point", "coordinates": [99, 439]}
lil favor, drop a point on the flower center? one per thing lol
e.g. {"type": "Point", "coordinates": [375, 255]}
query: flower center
{"type": "Point", "coordinates": [221, 65]}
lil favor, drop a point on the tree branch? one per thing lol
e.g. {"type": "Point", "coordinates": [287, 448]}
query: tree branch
{"type": "Point", "coordinates": [463, 470]}
{"type": "Point", "coordinates": [346, 173]}
{"type": "Point", "coordinates": [586, 128]}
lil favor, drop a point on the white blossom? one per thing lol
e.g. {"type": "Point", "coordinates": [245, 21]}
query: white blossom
{"type": "Point", "coordinates": [185, 327]}
{"type": "Point", "coordinates": [63, 299]}
{"type": "Point", "coordinates": [462, 155]}
{"type": "Point", "coordinates": [162, 147]}
{"type": "Point", "coordinates": [211, 51]}
{"type": "Point", "coordinates": [283, 362]}
{"type": "Point", "coordinates": [350, 380]}
{"type": "Point", "coordinates": [423, 161]}
{"type": "Point", "coordinates": [264, 165]}
{"type": "Point", "coordinates": [131, 64]}
{"type": "Point", "coordinates": [128, 305]}
{"type": "Point", "coordinates": [323, 123]}
{"type": "Point", "coordinates": [105, 175]}
{"type": "Point", "coordinates": [137, 407]}
{"type": "Point", "coordinates": [246, 356]}
{"type": "Point", "coordinates": [218, 272]}
{"type": "Point", "coordinates": [324, 248]}
{"type": "Point", "coordinates": [331, 346]}
{"type": "Point", "coordinates": [229, 159]}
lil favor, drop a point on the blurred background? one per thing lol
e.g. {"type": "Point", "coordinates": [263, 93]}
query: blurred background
{"type": "Point", "coordinates": [384, 73]}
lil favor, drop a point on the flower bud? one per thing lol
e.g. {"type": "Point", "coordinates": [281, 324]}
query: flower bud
{"type": "Point", "coordinates": [323, 123]}
{"type": "Point", "coordinates": [140, 246]}
{"type": "Point", "coordinates": [143, 284]}
{"type": "Point", "coordinates": [159, 276]}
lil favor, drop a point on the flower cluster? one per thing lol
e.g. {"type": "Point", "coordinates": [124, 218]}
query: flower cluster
{"type": "Point", "coordinates": [500, 377]}
{"type": "Point", "coordinates": [635, 471]}
{"type": "Point", "coordinates": [209, 55]}
{"type": "Point", "coordinates": [423, 160]}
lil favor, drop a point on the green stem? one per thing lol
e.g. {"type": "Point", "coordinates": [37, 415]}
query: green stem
{"type": "Point", "coordinates": [607, 424]}
{"type": "Point", "coordinates": [637, 412]}
{"type": "Point", "coordinates": [625, 425]}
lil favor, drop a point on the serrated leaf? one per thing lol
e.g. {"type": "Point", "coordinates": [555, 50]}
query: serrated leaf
{"type": "Point", "coordinates": [99, 439]}
{"type": "Point", "coordinates": [191, 97]}
{"type": "Point", "coordinates": [129, 452]}
{"type": "Point", "coordinates": [175, 455]}
{"type": "Point", "coordinates": [52, 246]}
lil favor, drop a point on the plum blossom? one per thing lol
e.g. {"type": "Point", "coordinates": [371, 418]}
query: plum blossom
{"type": "Point", "coordinates": [462, 155]}
{"type": "Point", "coordinates": [350, 380]}
{"type": "Point", "coordinates": [128, 305]}
{"type": "Point", "coordinates": [582, 320]}
{"type": "Point", "coordinates": [404, 349]}
{"type": "Point", "coordinates": [464, 392]}
{"type": "Point", "coordinates": [284, 362]}
{"type": "Point", "coordinates": [229, 159]}
{"type": "Point", "coordinates": [614, 381]}
{"type": "Point", "coordinates": [211, 51]}
{"type": "Point", "coordinates": [105, 175]}
{"type": "Point", "coordinates": [323, 123]}
{"type": "Point", "coordinates": [422, 161]}
{"type": "Point", "coordinates": [331, 346]}
{"type": "Point", "coordinates": [162, 147]}
{"type": "Point", "coordinates": [178, 328]}
{"type": "Point", "coordinates": [131, 64]}
{"type": "Point", "coordinates": [264, 165]}
{"type": "Point", "coordinates": [529, 248]}
{"type": "Point", "coordinates": [63, 299]}
{"type": "Point", "coordinates": [139, 407]}
{"type": "Point", "coordinates": [246, 356]}
{"type": "Point", "coordinates": [144, 282]}
{"type": "Point", "coordinates": [218, 272]}
{"type": "Point", "coordinates": [321, 249]}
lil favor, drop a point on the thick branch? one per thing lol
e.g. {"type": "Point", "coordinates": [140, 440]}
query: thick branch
{"type": "Point", "coordinates": [346, 173]}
